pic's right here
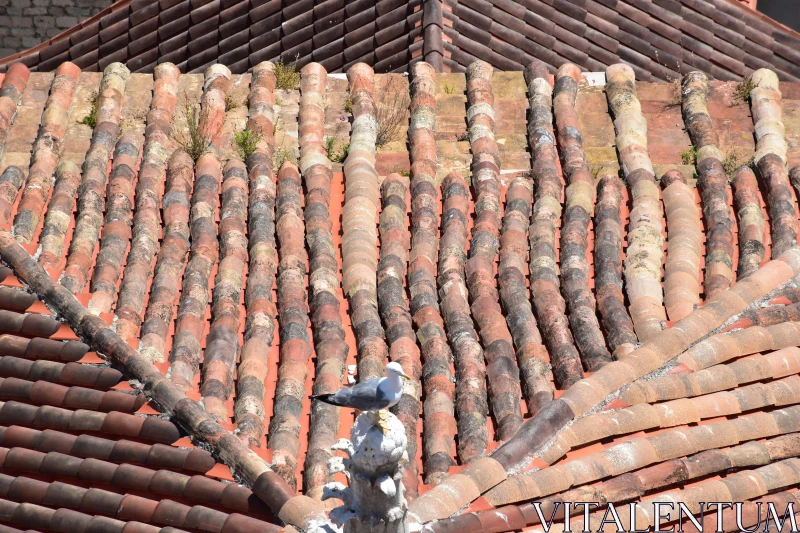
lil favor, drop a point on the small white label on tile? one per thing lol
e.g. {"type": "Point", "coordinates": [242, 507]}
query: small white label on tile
{"type": "Point", "coordinates": [595, 79]}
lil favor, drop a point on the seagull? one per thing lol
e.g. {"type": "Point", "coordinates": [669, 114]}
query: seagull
{"type": "Point", "coordinates": [376, 394]}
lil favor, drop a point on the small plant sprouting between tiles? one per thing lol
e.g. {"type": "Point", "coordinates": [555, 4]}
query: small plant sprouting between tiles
{"type": "Point", "coordinates": [401, 171]}
{"type": "Point", "coordinates": [391, 114]}
{"type": "Point", "coordinates": [741, 93]}
{"type": "Point", "coordinates": [245, 142]}
{"type": "Point", "coordinates": [192, 140]}
{"type": "Point", "coordinates": [334, 155]}
{"type": "Point", "coordinates": [689, 156]}
{"type": "Point", "coordinates": [91, 119]}
{"type": "Point", "coordinates": [287, 77]}
{"type": "Point", "coordinates": [231, 103]}
{"type": "Point", "coordinates": [733, 161]}
{"type": "Point", "coordinates": [283, 155]}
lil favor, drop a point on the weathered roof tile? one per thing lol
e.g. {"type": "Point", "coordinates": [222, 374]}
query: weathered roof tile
{"type": "Point", "coordinates": [49, 405]}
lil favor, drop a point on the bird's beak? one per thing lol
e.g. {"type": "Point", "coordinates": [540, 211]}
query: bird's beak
{"type": "Point", "coordinates": [406, 376]}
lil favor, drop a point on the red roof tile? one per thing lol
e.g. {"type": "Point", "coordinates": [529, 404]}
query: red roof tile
{"type": "Point", "coordinates": [192, 257]}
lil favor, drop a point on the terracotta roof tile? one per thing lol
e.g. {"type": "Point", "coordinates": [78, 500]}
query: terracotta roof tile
{"type": "Point", "coordinates": [44, 349]}
{"type": "Point", "coordinates": [68, 422]}
{"type": "Point", "coordinates": [68, 374]}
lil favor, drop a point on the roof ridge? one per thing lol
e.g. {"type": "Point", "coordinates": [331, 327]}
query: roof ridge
{"type": "Point", "coordinates": [726, 41]}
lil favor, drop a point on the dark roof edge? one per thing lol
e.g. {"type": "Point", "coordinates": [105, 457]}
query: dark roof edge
{"type": "Point", "coordinates": [20, 56]}
{"type": "Point", "coordinates": [433, 29]}
{"type": "Point", "coordinates": [765, 18]}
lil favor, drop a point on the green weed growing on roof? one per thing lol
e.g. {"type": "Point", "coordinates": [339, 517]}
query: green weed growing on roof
{"type": "Point", "coordinates": [330, 146]}
{"type": "Point", "coordinates": [336, 156]}
{"type": "Point", "coordinates": [342, 155]}
{"type": "Point", "coordinates": [741, 93]}
{"type": "Point", "coordinates": [674, 81]}
{"type": "Point", "coordinates": [282, 155]}
{"type": "Point", "coordinates": [348, 105]}
{"type": "Point", "coordinates": [245, 142]}
{"type": "Point", "coordinates": [286, 75]}
{"type": "Point", "coordinates": [91, 119]}
{"type": "Point", "coordinates": [689, 156]}
{"type": "Point", "coordinates": [733, 161]}
{"type": "Point", "coordinates": [401, 171]}
{"type": "Point", "coordinates": [391, 113]}
{"type": "Point", "coordinates": [677, 92]}
{"type": "Point", "coordinates": [231, 102]}
{"type": "Point", "coordinates": [191, 140]}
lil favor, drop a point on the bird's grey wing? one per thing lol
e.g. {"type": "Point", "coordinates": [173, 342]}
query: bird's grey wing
{"type": "Point", "coordinates": [364, 396]}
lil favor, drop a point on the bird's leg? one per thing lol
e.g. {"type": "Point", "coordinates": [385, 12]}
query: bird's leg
{"type": "Point", "coordinates": [382, 421]}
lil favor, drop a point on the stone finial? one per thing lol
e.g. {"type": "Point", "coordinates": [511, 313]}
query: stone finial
{"type": "Point", "coordinates": [375, 500]}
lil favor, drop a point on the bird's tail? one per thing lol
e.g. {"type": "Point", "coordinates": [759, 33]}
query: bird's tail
{"type": "Point", "coordinates": [324, 398]}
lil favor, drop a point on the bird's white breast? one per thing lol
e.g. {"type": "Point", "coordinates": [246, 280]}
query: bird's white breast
{"type": "Point", "coordinates": [391, 389]}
